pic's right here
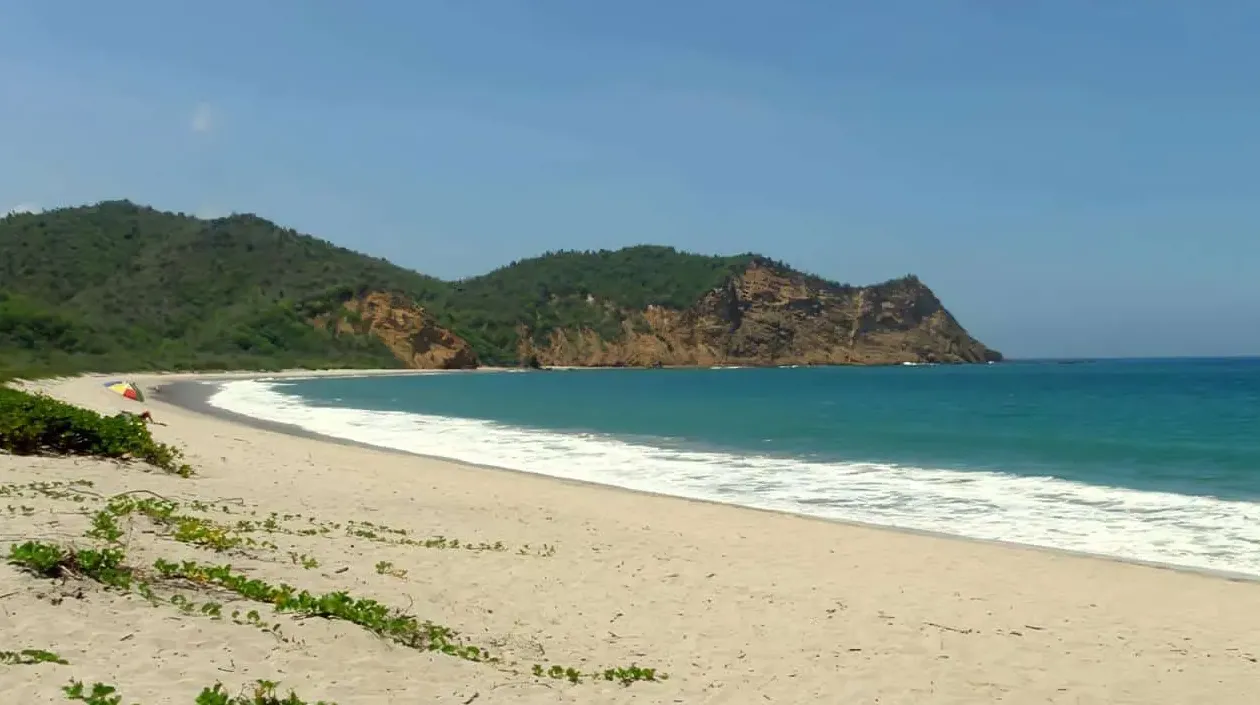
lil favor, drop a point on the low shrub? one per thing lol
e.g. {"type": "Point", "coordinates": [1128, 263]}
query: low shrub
{"type": "Point", "coordinates": [30, 657]}
{"type": "Point", "coordinates": [49, 560]}
{"type": "Point", "coordinates": [32, 424]}
{"type": "Point", "coordinates": [262, 693]}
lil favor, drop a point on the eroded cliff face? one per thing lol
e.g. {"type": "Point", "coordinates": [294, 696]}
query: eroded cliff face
{"type": "Point", "coordinates": [768, 316]}
{"type": "Point", "coordinates": [407, 330]}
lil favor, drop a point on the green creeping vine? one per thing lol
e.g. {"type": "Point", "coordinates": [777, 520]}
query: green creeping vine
{"type": "Point", "coordinates": [263, 693]}
{"type": "Point", "coordinates": [105, 566]}
{"type": "Point", "coordinates": [378, 619]}
{"type": "Point", "coordinates": [100, 694]}
{"type": "Point", "coordinates": [72, 490]}
{"type": "Point", "coordinates": [369, 614]}
{"type": "Point", "coordinates": [164, 512]}
{"type": "Point", "coordinates": [219, 537]}
{"type": "Point", "coordinates": [30, 657]}
{"type": "Point", "coordinates": [623, 675]}
{"type": "Point", "coordinates": [52, 561]}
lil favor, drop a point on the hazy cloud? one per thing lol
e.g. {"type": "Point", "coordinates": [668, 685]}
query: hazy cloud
{"type": "Point", "coordinates": [23, 208]}
{"type": "Point", "coordinates": [211, 213]}
{"type": "Point", "coordinates": [202, 118]}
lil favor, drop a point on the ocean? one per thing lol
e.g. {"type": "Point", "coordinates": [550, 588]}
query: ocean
{"type": "Point", "coordinates": [1152, 460]}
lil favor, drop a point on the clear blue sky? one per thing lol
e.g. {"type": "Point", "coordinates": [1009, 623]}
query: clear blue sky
{"type": "Point", "coordinates": [1073, 178]}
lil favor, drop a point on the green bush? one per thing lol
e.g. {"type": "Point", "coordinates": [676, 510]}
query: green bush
{"type": "Point", "coordinates": [32, 424]}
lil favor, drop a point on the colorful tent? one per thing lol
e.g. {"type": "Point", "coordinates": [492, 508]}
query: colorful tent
{"type": "Point", "coordinates": [127, 389]}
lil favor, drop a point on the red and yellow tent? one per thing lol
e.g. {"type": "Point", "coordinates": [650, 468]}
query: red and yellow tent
{"type": "Point", "coordinates": [127, 389]}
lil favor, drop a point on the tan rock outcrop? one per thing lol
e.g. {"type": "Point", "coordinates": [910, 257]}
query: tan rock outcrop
{"type": "Point", "coordinates": [407, 330]}
{"type": "Point", "coordinates": [768, 315]}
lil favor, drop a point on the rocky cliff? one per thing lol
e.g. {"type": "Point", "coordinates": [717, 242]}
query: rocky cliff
{"type": "Point", "coordinates": [769, 315]}
{"type": "Point", "coordinates": [763, 315]}
{"type": "Point", "coordinates": [409, 331]}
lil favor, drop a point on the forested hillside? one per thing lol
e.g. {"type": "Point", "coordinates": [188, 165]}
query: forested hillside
{"type": "Point", "coordinates": [575, 290]}
{"type": "Point", "coordinates": [119, 286]}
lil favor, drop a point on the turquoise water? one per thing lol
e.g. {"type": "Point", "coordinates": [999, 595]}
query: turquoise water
{"type": "Point", "coordinates": [1153, 460]}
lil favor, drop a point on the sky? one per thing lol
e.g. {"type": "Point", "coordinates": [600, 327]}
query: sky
{"type": "Point", "coordinates": [1072, 178]}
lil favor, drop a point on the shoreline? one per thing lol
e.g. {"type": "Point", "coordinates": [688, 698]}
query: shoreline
{"type": "Point", "coordinates": [735, 604]}
{"type": "Point", "coordinates": [194, 395]}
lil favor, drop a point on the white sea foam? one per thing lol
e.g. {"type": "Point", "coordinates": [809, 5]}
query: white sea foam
{"type": "Point", "coordinates": [1197, 532]}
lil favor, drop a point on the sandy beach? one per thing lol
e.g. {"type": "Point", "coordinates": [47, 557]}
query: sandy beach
{"type": "Point", "coordinates": [735, 605]}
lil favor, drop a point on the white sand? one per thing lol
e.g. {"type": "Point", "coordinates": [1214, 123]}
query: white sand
{"type": "Point", "coordinates": [738, 606]}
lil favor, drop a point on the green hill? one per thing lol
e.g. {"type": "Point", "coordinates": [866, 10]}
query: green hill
{"type": "Point", "coordinates": [117, 286]}
{"type": "Point", "coordinates": [121, 286]}
{"type": "Point", "coordinates": [552, 291]}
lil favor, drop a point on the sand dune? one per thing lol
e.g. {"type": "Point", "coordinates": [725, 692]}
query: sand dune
{"type": "Point", "coordinates": [736, 605]}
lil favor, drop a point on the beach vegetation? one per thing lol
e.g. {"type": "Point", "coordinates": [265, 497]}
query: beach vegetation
{"type": "Point", "coordinates": [307, 562]}
{"type": "Point", "coordinates": [387, 568]}
{"type": "Point", "coordinates": [260, 693]}
{"type": "Point", "coordinates": [70, 490]}
{"type": "Point", "coordinates": [30, 657]}
{"type": "Point", "coordinates": [105, 527]}
{"type": "Point", "coordinates": [373, 616]}
{"type": "Point", "coordinates": [107, 566]}
{"type": "Point", "coordinates": [49, 560]}
{"type": "Point", "coordinates": [176, 520]}
{"type": "Point", "coordinates": [200, 590]}
{"type": "Point", "coordinates": [377, 618]}
{"type": "Point", "coordinates": [185, 528]}
{"type": "Point", "coordinates": [98, 694]}
{"type": "Point", "coordinates": [624, 675]}
{"type": "Point", "coordinates": [33, 424]}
